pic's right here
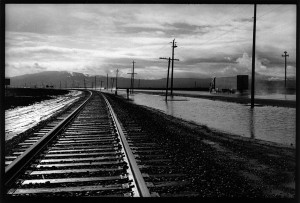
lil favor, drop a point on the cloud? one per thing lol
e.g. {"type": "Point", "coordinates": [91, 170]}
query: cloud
{"type": "Point", "coordinates": [98, 39]}
{"type": "Point", "coordinates": [246, 62]}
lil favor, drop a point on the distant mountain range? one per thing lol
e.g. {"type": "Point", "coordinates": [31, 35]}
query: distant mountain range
{"type": "Point", "coordinates": [65, 79]}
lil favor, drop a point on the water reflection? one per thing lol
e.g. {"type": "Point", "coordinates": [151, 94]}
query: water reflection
{"type": "Point", "coordinates": [251, 122]}
{"type": "Point", "coordinates": [276, 124]}
{"type": "Point", "coordinates": [170, 107]}
{"type": "Point", "coordinates": [259, 95]}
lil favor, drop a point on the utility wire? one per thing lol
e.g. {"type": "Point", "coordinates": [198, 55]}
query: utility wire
{"type": "Point", "coordinates": [238, 26]}
{"type": "Point", "coordinates": [268, 12]}
{"type": "Point", "coordinates": [225, 33]}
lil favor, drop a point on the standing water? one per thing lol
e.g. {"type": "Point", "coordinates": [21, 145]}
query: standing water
{"type": "Point", "coordinates": [269, 123]}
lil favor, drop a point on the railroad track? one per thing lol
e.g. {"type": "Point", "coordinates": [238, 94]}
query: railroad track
{"type": "Point", "coordinates": [91, 153]}
{"type": "Point", "coordinates": [164, 175]}
{"type": "Point", "coordinates": [86, 154]}
{"type": "Point", "coordinates": [37, 134]}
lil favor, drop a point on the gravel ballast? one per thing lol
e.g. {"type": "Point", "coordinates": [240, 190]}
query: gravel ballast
{"type": "Point", "coordinates": [222, 165]}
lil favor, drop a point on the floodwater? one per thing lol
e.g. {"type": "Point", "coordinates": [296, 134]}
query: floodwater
{"type": "Point", "coordinates": [275, 124]}
{"type": "Point", "coordinates": [20, 119]}
{"type": "Point", "coordinates": [258, 95]}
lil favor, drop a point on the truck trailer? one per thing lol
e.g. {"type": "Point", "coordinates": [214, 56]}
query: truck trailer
{"type": "Point", "coordinates": [230, 84]}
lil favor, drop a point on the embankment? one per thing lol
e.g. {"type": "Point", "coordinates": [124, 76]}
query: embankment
{"type": "Point", "coordinates": [26, 96]}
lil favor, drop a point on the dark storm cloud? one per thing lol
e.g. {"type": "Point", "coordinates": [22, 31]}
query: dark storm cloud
{"type": "Point", "coordinates": [184, 28]}
{"type": "Point", "coordinates": [243, 20]}
{"type": "Point", "coordinates": [193, 61]}
{"type": "Point", "coordinates": [167, 29]}
{"type": "Point", "coordinates": [125, 63]}
{"type": "Point", "coordinates": [37, 66]}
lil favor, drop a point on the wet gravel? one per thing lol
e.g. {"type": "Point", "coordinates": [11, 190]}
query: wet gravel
{"type": "Point", "coordinates": [218, 164]}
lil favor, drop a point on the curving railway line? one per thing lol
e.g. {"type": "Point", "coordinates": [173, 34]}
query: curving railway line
{"type": "Point", "coordinates": [88, 152]}
{"type": "Point", "coordinates": [103, 147]}
{"type": "Point", "coordinates": [84, 154]}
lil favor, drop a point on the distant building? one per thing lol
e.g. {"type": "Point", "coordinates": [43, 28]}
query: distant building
{"type": "Point", "coordinates": [231, 84]}
{"type": "Point", "coordinates": [242, 82]}
{"type": "Point", "coordinates": [7, 82]}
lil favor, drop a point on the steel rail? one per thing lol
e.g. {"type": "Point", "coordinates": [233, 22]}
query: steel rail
{"type": "Point", "coordinates": [13, 170]}
{"type": "Point", "coordinates": [138, 178]}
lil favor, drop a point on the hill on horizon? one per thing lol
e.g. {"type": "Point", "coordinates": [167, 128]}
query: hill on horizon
{"type": "Point", "coordinates": [65, 79]}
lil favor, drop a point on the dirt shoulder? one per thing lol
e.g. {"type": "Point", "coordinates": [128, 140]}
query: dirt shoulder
{"type": "Point", "coordinates": [265, 167]}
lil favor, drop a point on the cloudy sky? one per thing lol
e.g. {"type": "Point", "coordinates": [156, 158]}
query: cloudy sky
{"type": "Point", "coordinates": [212, 40]}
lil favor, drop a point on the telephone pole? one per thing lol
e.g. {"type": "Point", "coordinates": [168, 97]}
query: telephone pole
{"type": "Point", "coordinates": [95, 82]}
{"type": "Point", "coordinates": [112, 83]}
{"type": "Point", "coordinates": [169, 59]}
{"type": "Point", "coordinates": [101, 85]}
{"type": "Point", "coordinates": [285, 55]}
{"type": "Point", "coordinates": [130, 82]}
{"type": "Point", "coordinates": [173, 47]}
{"type": "Point", "coordinates": [107, 82]}
{"type": "Point", "coordinates": [132, 78]}
{"type": "Point", "coordinates": [117, 80]}
{"type": "Point", "coordinates": [84, 83]}
{"type": "Point", "coordinates": [253, 58]}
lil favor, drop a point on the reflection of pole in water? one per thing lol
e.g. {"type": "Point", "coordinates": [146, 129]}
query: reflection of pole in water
{"type": "Point", "coordinates": [285, 95]}
{"type": "Point", "coordinates": [170, 107]}
{"type": "Point", "coordinates": [251, 123]}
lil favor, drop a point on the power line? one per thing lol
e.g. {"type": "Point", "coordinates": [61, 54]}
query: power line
{"type": "Point", "coordinates": [240, 26]}
{"type": "Point", "coordinates": [268, 12]}
{"type": "Point", "coordinates": [224, 34]}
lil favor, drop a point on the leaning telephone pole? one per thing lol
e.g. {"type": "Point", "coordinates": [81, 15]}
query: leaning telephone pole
{"type": "Point", "coordinates": [167, 77]}
{"type": "Point", "coordinates": [253, 58]}
{"type": "Point", "coordinates": [117, 80]}
{"type": "Point", "coordinates": [173, 47]}
{"type": "Point", "coordinates": [285, 55]}
{"type": "Point", "coordinates": [169, 59]}
{"type": "Point", "coordinates": [132, 78]}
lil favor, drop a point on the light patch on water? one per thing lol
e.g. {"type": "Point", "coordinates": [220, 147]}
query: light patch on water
{"type": "Point", "coordinates": [20, 119]}
{"type": "Point", "coordinates": [268, 123]}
